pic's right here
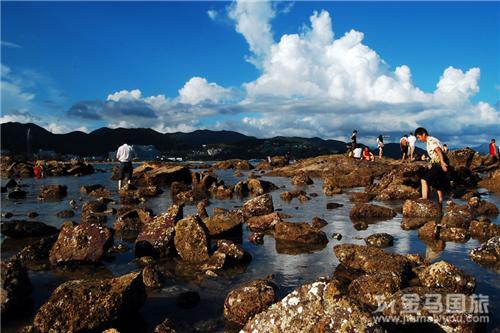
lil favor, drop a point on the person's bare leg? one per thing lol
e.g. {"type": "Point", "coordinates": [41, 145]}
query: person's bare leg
{"type": "Point", "coordinates": [440, 197]}
{"type": "Point", "coordinates": [380, 153]}
{"type": "Point", "coordinates": [425, 189]}
{"type": "Point", "coordinates": [119, 184]}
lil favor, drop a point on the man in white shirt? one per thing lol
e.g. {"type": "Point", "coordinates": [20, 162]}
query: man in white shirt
{"type": "Point", "coordinates": [124, 155]}
{"type": "Point", "coordinates": [412, 139]}
{"type": "Point", "coordinates": [357, 152]}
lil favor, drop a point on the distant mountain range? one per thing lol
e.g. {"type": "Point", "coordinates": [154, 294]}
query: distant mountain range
{"type": "Point", "coordinates": [194, 145]}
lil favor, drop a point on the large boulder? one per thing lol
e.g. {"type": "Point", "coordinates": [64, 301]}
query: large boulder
{"type": "Point", "coordinates": [87, 189]}
{"type": "Point", "coordinates": [366, 211]}
{"type": "Point", "coordinates": [429, 231]}
{"type": "Point", "coordinates": [16, 287]}
{"type": "Point", "coordinates": [254, 187]}
{"type": "Point", "coordinates": [445, 275]}
{"type": "Point", "coordinates": [157, 236]}
{"type": "Point", "coordinates": [24, 229]}
{"type": "Point", "coordinates": [161, 174]}
{"type": "Point", "coordinates": [87, 242]}
{"type": "Point", "coordinates": [372, 260]}
{"type": "Point", "coordinates": [225, 223]}
{"type": "Point", "coordinates": [37, 252]}
{"type": "Point", "coordinates": [91, 305]}
{"type": "Point", "coordinates": [458, 216]}
{"type": "Point", "coordinates": [191, 241]}
{"type": "Point", "coordinates": [53, 192]}
{"type": "Point", "coordinates": [353, 179]}
{"type": "Point", "coordinates": [315, 307]}
{"type": "Point", "coordinates": [17, 194]}
{"type": "Point", "coordinates": [453, 234]}
{"type": "Point", "coordinates": [299, 232]}
{"type": "Point", "coordinates": [302, 179]}
{"type": "Point", "coordinates": [260, 205]}
{"type": "Point", "coordinates": [398, 192]}
{"type": "Point", "coordinates": [488, 252]}
{"type": "Point", "coordinates": [279, 161]}
{"type": "Point", "coordinates": [249, 299]}
{"type": "Point", "coordinates": [421, 208]}
{"type": "Point", "coordinates": [465, 157]}
{"type": "Point", "coordinates": [486, 208]}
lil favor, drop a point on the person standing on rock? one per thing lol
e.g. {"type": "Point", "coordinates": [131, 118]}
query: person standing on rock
{"type": "Point", "coordinates": [436, 175]}
{"type": "Point", "coordinates": [411, 145]}
{"type": "Point", "coordinates": [403, 144]}
{"type": "Point", "coordinates": [493, 148]}
{"type": "Point", "coordinates": [354, 139]}
{"type": "Point", "coordinates": [380, 144]}
{"type": "Point", "coordinates": [124, 155]}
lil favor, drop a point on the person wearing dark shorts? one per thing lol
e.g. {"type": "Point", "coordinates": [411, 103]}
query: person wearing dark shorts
{"type": "Point", "coordinates": [124, 155]}
{"type": "Point", "coordinates": [436, 175]}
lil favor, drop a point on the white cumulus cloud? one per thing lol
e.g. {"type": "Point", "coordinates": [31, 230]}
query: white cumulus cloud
{"type": "Point", "coordinates": [198, 90]}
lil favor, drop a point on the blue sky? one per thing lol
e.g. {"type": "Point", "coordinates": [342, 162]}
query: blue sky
{"type": "Point", "coordinates": [260, 68]}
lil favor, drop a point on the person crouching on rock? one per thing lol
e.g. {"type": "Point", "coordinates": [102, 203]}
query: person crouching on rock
{"type": "Point", "coordinates": [124, 155]}
{"type": "Point", "coordinates": [368, 155]}
{"type": "Point", "coordinates": [436, 175]}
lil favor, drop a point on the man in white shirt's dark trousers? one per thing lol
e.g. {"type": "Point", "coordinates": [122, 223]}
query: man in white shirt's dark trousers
{"type": "Point", "coordinates": [124, 155]}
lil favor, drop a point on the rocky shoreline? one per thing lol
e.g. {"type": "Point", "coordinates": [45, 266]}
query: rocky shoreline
{"type": "Point", "coordinates": [209, 246]}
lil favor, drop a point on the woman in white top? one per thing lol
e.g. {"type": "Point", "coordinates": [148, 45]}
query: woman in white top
{"type": "Point", "coordinates": [380, 144]}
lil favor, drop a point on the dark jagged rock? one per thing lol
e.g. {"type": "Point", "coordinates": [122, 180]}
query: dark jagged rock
{"type": "Point", "coordinates": [157, 236]}
{"type": "Point", "coordinates": [226, 223]}
{"type": "Point", "coordinates": [53, 192]}
{"type": "Point", "coordinates": [92, 212]}
{"type": "Point", "coordinates": [23, 229]}
{"type": "Point", "coordinates": [336, 236]}
{"type": "Point", "coordinates": [201, 209]}
{"type": "Point", "coordinates": [87, 242]}
{"type": "Point", "coordinates": [488, 252]}
{"type": "Point", "coordinates": [191, 240]}
{"type": "Point", "coordinates": [412, 223]}
{"type": "Point", "coordinates": [87, 189]}
{"type": "Point", "coordinates": [8, 215]}
{"type": "Point", "coordinates": [249, 299]}
{"type": "Point", "coordinates": [365, 211]}
{"type": "Point", "coordinates": [360, 225]}
{"type": "Point", "coordinates": [299, 232]}
{"type": "Point", "coordinates": [445, 275]}
{"type": "Point", "coordinates": [465, 157]}
{"type": "Point", "coordinates": [260, 205]}
{"type": "Point", "coordinates": [16, 287]}
{"type": "Point", "coordinates": [486, 208]}
{"type": "Point", "coordinates": [11, 183]}
{"type": "Point", "coordinates": [91, 305]}
{"type": "Point", "coordinates": [32, 215]}
{"type": "Point", "coordinates": [421, 208]}
{"type": "Point", "coordinates": [314, 307]}
{"type": "Point", "coordinates": [360, 197]}
{"type": "Point", "coordinates": [492, 182]}
{"type": "Point", "coordinates": [379, 240]}
{"type": "Point", "coordinates": [458, 216]}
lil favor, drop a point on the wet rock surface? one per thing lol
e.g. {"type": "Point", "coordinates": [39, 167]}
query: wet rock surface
{"type": "Point", "coordinates": [91, 305]}
{"type": "Point", "coordinates": [488, 252]}
{"type": "Point", "coordinates": [53, 192]}
{"type": "Point", "coordinates": [251, 298]}
{"type": "Point", "coordinates": [260, 205]}
{"type": "Point", "coordinates": [445, 275]}
{"type": "Point", "coordinates": [263, 222]}
{"type": "Point", "coordinates": [299, 232]}
{"type": "Point", "coordinates": [87, 242]}
{"type": "Point", "coordinates": [314, 307]}
{"type": "Point", "coordinates": [191, 240]}
{"type": "Point", "coordinates": [379, 240]}
{"type": "Point", "coordinates": [229, 222]}
{"type": "Point", "coordinates": [157, 236]}
{"type": "Point", "coordinates": [364, 211]}
{"type": "Point", "coordinates": [421, 208]}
